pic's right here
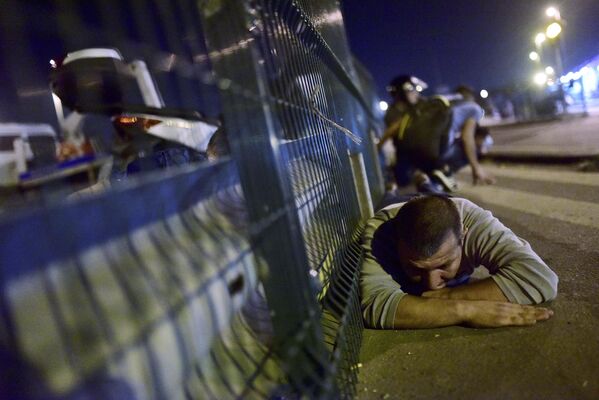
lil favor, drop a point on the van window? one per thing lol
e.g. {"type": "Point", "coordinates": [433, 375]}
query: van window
{"type": "Point", "coordinates": [6, 142]}
{"type": "Point", "coordinates": [43, 148]}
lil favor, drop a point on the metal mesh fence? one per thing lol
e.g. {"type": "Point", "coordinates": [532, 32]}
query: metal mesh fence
{"type": "Point", "coordinates": [207, 245]}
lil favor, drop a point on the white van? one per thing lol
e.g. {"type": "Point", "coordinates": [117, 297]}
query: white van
{"type": "Point", "coordinates": [24, 147]}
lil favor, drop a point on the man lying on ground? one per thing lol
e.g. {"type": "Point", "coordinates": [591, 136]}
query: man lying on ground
{"type": "Point", "coordinates": [419, 257]}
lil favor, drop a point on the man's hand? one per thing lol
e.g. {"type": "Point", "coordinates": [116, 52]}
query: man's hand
{"type": "Point", "coordinates": [415, 312]}
{"type": "Point", "coordinates": [492, 314]}
{"type": "Point", "coordinates": [483, 305]}
{"type": "Point", "coordinates": [482, 177]}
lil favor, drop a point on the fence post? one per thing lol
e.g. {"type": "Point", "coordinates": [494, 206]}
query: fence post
{"type": "Point", "coordinates": [233, 29]}
{"type": "Point", "coordinates": [362, 186]}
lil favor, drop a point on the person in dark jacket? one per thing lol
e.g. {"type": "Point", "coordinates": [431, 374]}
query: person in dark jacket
{"type": "Point", "coordinates": [458, 150]}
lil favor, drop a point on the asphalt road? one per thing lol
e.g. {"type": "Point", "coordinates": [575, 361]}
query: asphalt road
{"type": "Point", "coordinates": [571, 137]}
{"type": "Point", "coordinates": [556, 209]}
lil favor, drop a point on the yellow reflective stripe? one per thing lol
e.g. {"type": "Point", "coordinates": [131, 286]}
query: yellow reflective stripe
{"type": "Point", "coordinates": [443, 99]}
{"type": "Point", "coordinates": [404, 124]}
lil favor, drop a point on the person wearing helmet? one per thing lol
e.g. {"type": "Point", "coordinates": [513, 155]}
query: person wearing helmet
{"type": "Point", "coordinates": [406, 91]}
{"type": "Point", "coordinates": [457, 147]}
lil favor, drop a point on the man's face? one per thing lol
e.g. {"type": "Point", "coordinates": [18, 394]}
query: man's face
{"type": "Point", "coordinates": [412, 92]}
{"type": "Point", "coordinates": [412, 96]}
{"type": "Point", "coordinates": [433, 272]}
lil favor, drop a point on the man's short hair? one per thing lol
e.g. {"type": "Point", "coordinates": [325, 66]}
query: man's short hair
{"type": "Point", "coordinates": [422, 224]}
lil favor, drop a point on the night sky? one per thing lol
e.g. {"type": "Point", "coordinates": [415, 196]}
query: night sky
{"type": "Point", "coordinates": [482, 43]}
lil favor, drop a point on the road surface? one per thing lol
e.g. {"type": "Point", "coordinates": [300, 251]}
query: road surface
{"type": "Point", "coordinates": [557, 210]}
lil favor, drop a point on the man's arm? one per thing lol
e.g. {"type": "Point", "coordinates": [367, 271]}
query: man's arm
{"type": "Point", "coordinates": [479, 175]}
{"type": "Point", "coordinates": [379, 293]}
{"type": "Point", "coordinates": [419, 312]}
{"type": "Point", "coordinates": [485, 289]}
{"type": "Point", "coordinates": [388, 134]}
{"type": "Point", "coordinates": [515, 268]}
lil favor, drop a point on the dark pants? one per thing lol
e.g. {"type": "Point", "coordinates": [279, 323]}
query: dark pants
{"type": "Point", "coordinates": [451, 152]}
{"type": "Point", "coordinates": [453, 157]}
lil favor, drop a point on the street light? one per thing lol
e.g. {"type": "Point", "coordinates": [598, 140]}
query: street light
{"type": "Point", "coordinates": [539, 39]}
{"type": "Point", "coordinates": [552, 12]}
{"type": "Point", "coordinates": [383, 105]}
{"type": "Point", "coordinates": [540, 78]}
{"type": "Point", "coordinates": [484, 94]}
{"type": "Point", "coordinates": [553, 30]}
{"type": "Point", "coordinates": [549, 71]}
{"type": "Point", "coordinates": [534, 56]}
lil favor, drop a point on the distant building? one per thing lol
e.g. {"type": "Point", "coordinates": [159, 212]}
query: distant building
{"type": "Point", "coordinates": [583, 80]}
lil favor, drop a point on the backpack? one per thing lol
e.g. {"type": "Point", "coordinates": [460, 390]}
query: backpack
{"type": "Point", "coordinates": [424, 131]}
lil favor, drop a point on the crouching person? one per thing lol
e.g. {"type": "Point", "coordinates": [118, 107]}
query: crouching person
{"type": "Point", "coordinates": [419, 256]}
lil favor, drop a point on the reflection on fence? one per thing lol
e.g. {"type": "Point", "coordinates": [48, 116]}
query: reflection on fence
{"type": "Point", "coordinates": [235, 278]}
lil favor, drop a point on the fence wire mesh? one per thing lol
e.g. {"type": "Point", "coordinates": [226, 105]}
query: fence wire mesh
{"type": "Point", "coordinates": [197, 234]}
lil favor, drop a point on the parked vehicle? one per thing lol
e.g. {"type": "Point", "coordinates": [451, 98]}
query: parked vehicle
{"type": "Point", "coordinates": [24, 147]}
{"type": "Point", "coordinates": [148, 135]}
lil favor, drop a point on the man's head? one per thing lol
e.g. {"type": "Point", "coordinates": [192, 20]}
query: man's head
{"type": "Point", "coordinates": [406, 88]}
{"type": "Point", "coordinates": [466, 91]}
{"type": "Point", "coordinates": [429, 240]}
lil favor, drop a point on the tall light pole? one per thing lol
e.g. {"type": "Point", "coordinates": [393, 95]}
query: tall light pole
{"type": "Point", "coordinates": [553, 31]}
{"type": "Point", "coordinates": [539, 40]}
{"type": "Point", "coordinates": [553, 34]}
{"type": "Point", "coordinates": [540, 78]}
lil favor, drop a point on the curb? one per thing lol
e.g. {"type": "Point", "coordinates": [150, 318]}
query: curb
{"type": "Point", "coordinates": [541, 158]}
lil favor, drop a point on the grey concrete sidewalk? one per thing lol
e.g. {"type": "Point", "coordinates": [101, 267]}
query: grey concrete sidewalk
{"type": "Point", "coordinates": [572, 137]}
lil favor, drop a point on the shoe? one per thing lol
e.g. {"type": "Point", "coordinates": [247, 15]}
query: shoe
{"type": "Point", "coordinates": [484, 140]}
{"type": "Point", "coordinates": [486, 144]}
{"type": "Point", "coordinates": [447, 181]}
{"type": "Point", "coordinates": [425, 185]}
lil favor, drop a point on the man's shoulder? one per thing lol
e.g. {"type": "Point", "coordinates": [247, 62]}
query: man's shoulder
{"type": "Point", "coordinates": [476, 219]}
{"type": "Point", "coordinates": [385, 214]}
{"type": "Point", "coordinates": [391, 208]}
{"type": "Point", "coordinates": [463, 204]}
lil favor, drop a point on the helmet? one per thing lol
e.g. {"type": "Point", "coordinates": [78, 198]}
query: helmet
{"type": "Point", "coordinates": [405, 83]}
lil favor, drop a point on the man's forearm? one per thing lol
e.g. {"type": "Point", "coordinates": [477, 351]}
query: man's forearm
{"type": "Point", "coordinates": [420, 312]}
{"type": "Point", "coordinates": [469, 142]}
{"type": "Point", "coordinates": [389, 132]}
{"type": "Point", "coordinates": [478, 174]}
{"type": "Point", "coordinates": [485, 289]}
